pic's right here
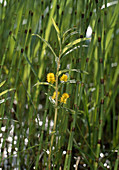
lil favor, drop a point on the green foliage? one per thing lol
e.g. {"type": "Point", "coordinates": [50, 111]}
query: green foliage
{"type": "Point", "coordinates": [41, 37]}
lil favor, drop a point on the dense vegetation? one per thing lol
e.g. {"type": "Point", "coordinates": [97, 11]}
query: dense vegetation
{"type": "Point", "coordinates": [59, 84]}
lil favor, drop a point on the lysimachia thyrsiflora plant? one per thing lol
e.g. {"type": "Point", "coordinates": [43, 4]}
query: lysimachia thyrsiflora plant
{"type": "Point", "coordinates": [57, 99]}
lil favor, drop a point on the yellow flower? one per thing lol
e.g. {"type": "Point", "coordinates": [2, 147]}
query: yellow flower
{"type": "Point", "coordinates": [54, 95]}
{"type": "Point", "coordinates": [64, 98]}
{"type": "Point", "coordinates": [64, 78]}
{"type": "Point", "coordinates": [50, 78]}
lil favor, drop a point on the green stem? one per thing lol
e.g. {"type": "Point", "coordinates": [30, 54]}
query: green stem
{"type": "Point", "coordinates": [56, 112]}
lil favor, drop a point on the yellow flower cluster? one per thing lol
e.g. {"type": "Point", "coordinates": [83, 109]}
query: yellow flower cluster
{"type": "Point", "coordinates": [64, 78]}
{"type": "Point", "coordinates": [64, 98]}
{"type": "Point", "coordinates": [50, 78]}
{"type": "Point", "coordinates": [54, 95]}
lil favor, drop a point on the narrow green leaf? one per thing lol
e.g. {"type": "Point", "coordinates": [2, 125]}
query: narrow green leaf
{"type": "Point", "coordinates": [46, 44]}
{"type": "Point", "coordinates": [56, 27]}
{"type": "Point", "coordinates": [6, 91]}
{"type": "Point", "coordinates": [2, 83]}
{"type": "Point", "coordinates": [75, 70]}
{"type": "Point", "coordinates": [68, 46]}
{"type": "Point", "coordinates": [58, 32]}
{"type": "Point", "coordinates": [66, 32]}
{"type": "Point", "coordinates": [44, 83]}
{"type": "Point", "coordinates": [69, 35]}
{"type": "Point", "coordinates": [72, 49]}
{"type": "Point", "coordinates": [73, 81]}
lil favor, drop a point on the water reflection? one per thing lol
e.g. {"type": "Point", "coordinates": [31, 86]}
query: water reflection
{"type": "Point", "coordinates": [12, 143]}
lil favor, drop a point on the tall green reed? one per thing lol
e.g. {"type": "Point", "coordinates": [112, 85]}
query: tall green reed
{"type": "Point", "coordinates": [26, 60]}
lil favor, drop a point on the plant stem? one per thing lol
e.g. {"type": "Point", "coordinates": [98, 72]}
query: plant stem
{"type": "Point", "coordinates": [56, 112]}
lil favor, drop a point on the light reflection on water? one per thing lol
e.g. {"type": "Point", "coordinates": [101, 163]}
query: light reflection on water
{"type": "Point", "coordinates": [12, 141]}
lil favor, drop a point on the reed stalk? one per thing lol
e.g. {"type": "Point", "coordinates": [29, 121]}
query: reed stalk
{"type": "Point", "coordinates": [56, 109]}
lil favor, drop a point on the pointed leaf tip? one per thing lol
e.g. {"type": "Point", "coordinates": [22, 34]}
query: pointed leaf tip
{"type": "Point", "coordinates": [56, 27]}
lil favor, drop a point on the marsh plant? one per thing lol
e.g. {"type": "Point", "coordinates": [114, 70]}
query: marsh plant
{"type": "Point", "coordinates": [51, 79]}
{"type": "Point", "coordinates": [59, 60]}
